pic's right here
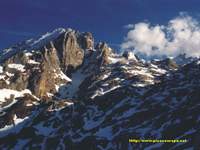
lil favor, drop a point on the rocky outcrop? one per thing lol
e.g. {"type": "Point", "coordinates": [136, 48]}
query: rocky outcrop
{"type": "Point", "coordinates": [23, 107]}
{"type": "Point", "coordinates": [50, 57]}
{"type": "Point", "coordinates": [105, 52]}
{"type": "Point", "coordinates": [167, 63]}
{"type": "Point", "coordinates": [86, 41]}
{"type": "Point", "coordinates": [63, 54]}
{"type": "Point", "coordinates": [130, 56]}
{"type": "Point", "coordinates": [72, 53]}
{"type": "Point", "coordinates": [46, 79]}
{"type": "Point", "coordinates": [41, 71]}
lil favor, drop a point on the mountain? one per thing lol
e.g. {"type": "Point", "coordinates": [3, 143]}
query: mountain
{"type": "Point", "coordinates": [61, 91]}
{"type": "Point", "coordinates": [182, 59]}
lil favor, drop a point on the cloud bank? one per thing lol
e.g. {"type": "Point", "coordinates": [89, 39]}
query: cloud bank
{"type": "Point", "coordinates": [181, 35]}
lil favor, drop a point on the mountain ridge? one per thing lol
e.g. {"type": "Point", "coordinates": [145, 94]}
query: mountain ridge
{"type": "Point", "coordinates": [70, 93]}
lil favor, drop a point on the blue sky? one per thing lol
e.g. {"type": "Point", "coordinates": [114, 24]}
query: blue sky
{"type": "Point", "coordinates": [23, 19]}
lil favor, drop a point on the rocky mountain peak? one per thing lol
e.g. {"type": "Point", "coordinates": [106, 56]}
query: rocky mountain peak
{"type": "Point", "coordinates": [72, 53]}
{"type": "Point", "coordinates": [62, 91]}
{"type": "Point", "coordinates": [105, 52]}
{"type": "Point", "coordinates": [130, 55]}
{"type": "Point", "coordinates": [87, 41]}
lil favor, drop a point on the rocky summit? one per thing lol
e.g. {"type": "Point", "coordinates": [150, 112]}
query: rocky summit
{"type": "Point", "coordinates": [65, 91]}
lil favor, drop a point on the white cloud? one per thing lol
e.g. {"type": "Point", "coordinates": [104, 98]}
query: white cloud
{"type": "Point", "coordinates": [181, 35]}
{"type": "Point", "coordinates": [129, 26]}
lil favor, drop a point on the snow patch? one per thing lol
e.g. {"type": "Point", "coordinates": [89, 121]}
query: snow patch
{"type": "Point", "coordinates": [9, 74]}
{"type": "Point", "coordinates": [141, 72]}
{"type": "Point", "coordinates": [19, 67]}
{"type": "Point", "coordinates": [131, 56]}
{"type": "Point", "coordinates": [115, 59]}
{"type": "Point", "coordinates": [28, 54]}
{"type": "Point", "coordinates": [105, 76]}
{"type": "Point", "coordinates": [6, 93]}
{"type": "Point", "coordinates": [61, 75]}
{"type": "Point", "coordinates": [1, 69]}
{"type": "Point", "coordinates": [139, 84]}
{"type": "Point", "coordinates": [33, 62]}
{"type": "Point", "coordinates": [2, 77]}
{"type": "Point", "coordinates": [158, 70]}
{"type": "Point", "coordinates": [70, 90]}
{"type": "Point", "coordinates": [101, 92]}
{"type": "Point", "coordinates": [49, 36]}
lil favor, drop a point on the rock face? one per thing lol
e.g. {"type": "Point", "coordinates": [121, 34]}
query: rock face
{"type": "Point", "coordinates": [45, 81]}
{"type": "Point", "coordinates": [72, 53]}
{"type": "Point", "coordinates": [105, 53]}
{"type": "Point", "coordinates": [61, 91]}
{"type": "Point", "coordinates": [130, 55]}
{"type": "Point", "coordinates": [167, 64]}
{"type": "Point", "coordinates": [86, 41]}
{"type": "Point", "coordinates": [64, 54]}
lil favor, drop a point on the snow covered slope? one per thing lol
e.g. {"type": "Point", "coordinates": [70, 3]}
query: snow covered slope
{"type": "Point", "coordinates": [32, 44]}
